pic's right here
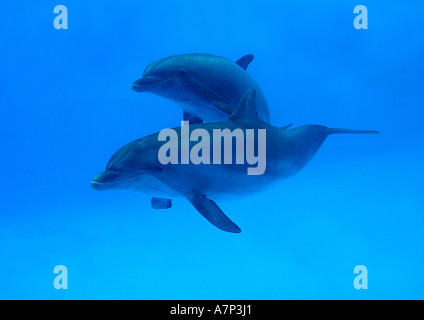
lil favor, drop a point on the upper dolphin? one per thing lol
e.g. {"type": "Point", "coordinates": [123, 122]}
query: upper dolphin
{"type": "Point", "coordinates": [137, 165]}
{"type": "Point", "coordinates": [205, 86]}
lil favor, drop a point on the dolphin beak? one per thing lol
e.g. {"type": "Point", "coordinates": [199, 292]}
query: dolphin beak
{"type": "Point", "coordinates": [145, 83]}
{"type": "Point", "coordinates": [99, 186]}
{"type": "Point", "coordinates": [100, 182]}
{"type": "Point", "coordinates": [106, 180]}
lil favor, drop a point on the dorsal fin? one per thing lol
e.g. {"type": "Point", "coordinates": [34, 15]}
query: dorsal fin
{"type": "Point", "coordinates": [245, 61]}
{"type": "Point", "coordinates": [246, 107]}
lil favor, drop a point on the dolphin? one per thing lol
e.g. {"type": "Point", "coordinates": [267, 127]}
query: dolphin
{"type": "Point", "coordinates": [205, 86]}
{"type": "Point", "coordinates": [136, 166]}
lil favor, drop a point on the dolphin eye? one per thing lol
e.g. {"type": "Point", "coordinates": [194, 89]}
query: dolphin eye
{"type": "Point", "coordinates": [182, 72]}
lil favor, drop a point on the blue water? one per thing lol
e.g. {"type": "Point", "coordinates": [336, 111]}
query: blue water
{"type": "Point", "coordinates": [67, 106]}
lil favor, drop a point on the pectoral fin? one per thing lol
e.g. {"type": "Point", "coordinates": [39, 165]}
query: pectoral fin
{"type": "Point", "coordinates": [212, 212]}
{"type": "Point", "coordinates": [287, 126]}
{"type": "Point", "coordinates": [190, 118]}
{"type": "Point", "coordinates": [161, 203]}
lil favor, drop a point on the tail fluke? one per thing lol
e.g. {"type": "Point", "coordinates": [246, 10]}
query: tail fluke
{"type": "Point", "coordinates": [350, 131]}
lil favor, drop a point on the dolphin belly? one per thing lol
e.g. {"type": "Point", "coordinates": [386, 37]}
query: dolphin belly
{"type": "Point", "coordinates": [147, 184]}
{"type": "Point", "coordinates": [206, 111]}
{"type": "Point", "coordinates": [218, 181]}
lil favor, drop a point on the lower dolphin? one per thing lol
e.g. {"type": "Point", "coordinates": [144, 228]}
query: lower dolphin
{"type": "Point", "coordinates": [137, 167]}
{"type": "Point", "coordinates": [205, 86]}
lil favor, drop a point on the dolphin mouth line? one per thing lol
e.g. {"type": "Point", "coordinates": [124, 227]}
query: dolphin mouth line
{"type": "Point", "coordinates": [146, 82]}
{"type": "Point", "coordinates": [119, 179]}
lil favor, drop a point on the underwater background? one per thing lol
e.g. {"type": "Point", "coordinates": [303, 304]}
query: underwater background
{"type": "Point", "coordinates": [67, 105]}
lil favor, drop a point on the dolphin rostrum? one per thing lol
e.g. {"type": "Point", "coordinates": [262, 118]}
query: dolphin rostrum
{"type": "Point", "coordinates": [206, 87]}
{"type": "Point", "coordinates": [137, 166]}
